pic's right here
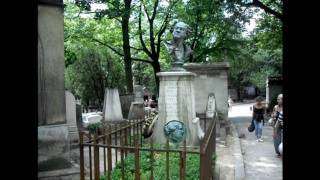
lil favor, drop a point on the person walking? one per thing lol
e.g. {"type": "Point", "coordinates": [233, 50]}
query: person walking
{"type": "Point", "coordinates": [258, 117]}
{"type": "Point", "coordinates": [277, 116]}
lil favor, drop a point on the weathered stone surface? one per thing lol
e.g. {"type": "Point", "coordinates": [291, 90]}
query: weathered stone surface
{"type": "Point", "coordinates": [126, 101]}
{"type": "Point", "coordinates": [71, 117]}
{"type": "Point", "coordinates": [53, 147]}
{"type": "Point", "coordinates": [136, 111]}
{"type": "Point", "coordinates": [51, 98]}
{"type": "Point", "coordinates": [71, 173]}
{"type": "Point", "coordinates": [112, 107]}
{"type": "Point", "coordinates": [210, 78]}
{"type": "Point", "coordinates": [138, 93]}
{"type": "Point", "coordinates": [53, 134]}
{"type": "Point", "coordinates": [176, 102]}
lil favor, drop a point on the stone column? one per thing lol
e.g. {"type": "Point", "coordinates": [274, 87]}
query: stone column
{"type": "Point", "coordinates": [176, 102]}
{"type": "Point", "coordinates": [54, 160]}
{"type": "Point", "coordinates": [51, 101]}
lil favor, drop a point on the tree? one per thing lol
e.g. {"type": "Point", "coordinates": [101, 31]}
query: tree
{"type": "Point", "coordinates": [114, 11]}
{"type": "Point", "coordinates": [273, 7]}
{"type": "Point", "coordinates": [90, 66]}
{"type": "Point", "coordinates": [134, 31]}
{"type": "Point", "coordinates": [90, 74]}
{"type": "Point", "coordinates": [150, 35]}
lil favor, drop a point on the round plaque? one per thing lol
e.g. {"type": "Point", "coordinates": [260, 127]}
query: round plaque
{"type": "Point", "coordinates": [175, 130]}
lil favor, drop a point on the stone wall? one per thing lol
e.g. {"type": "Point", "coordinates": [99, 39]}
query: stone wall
{"type": "Point", "coordinates": [210, 78]}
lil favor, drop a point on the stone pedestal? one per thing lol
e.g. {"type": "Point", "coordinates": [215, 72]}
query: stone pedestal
{"type": "Point", "coordinates": [54, 161]}
{"type": "Point", "coordinates": [53, 147]}
{"type": "Point", "coordinates": [176, 102]}
{"type": "Point", "coordinates": [111, 106]}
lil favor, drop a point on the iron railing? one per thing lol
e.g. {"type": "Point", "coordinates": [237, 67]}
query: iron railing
{"type": "Point", "coordinates": [126, 137]}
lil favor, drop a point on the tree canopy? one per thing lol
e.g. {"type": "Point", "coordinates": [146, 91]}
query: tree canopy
{"type": "Point", "coordinates": [122, 44]}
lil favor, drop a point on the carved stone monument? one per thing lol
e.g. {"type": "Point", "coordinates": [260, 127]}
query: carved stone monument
{"type": "Point", "coordinates": [176, 94]}
{"type": "Point", "coordinates": [54, 161]}
{"type": "Point", "coordinates": [177, 48]}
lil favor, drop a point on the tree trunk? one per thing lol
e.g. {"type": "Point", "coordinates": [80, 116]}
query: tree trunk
{"type": "Point", "coordinates": [126, 46]}
{"type": "Point", "coordinates": [156, 69]}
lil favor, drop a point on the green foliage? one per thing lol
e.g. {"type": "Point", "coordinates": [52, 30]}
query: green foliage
{"type": "Point", "coordinates": [93, 128]}
{"type": "Point", "coordinates": [217, 28]}
{"type": "Point", "coordinates": [91, 66]}
{"type": "Point", "coordinates": [215, 37]}
{"type": "Point", "coordinates": [88, 77]}
{"type": "Point", "coordinates": [192, 169]}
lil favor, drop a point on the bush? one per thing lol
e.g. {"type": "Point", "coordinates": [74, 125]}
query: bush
{"type": "Point", "coordinates": [159, 166]}
{"type": "Point", "coordinates": [94, 127]}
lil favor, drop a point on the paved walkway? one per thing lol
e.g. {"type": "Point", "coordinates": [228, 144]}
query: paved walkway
{"type": "Point", "coordinates": [260, 161]}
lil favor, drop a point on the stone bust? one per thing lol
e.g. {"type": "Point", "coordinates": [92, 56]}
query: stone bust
{"type": "Point", "coordinates": [177, 48]}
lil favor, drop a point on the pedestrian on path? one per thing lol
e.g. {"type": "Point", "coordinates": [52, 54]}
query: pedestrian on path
{"type": "Point", "coordinates": [258, 117]}
{"type": "Point", "coordinates": [277, 116]}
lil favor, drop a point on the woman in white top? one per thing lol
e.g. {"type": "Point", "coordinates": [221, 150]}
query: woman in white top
{"type": "Point", "coordinates": [277, 116]}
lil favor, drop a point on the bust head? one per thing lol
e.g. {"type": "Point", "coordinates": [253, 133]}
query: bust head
{"type": "Point", "coordinates": [180, 30]}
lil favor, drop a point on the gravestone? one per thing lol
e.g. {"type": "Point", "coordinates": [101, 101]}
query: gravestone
{"type": "Point", "coordinates": [211, 78]}
{"type": "Point", "coordinates": [71, 117]}
{"type": "Point", "coordinates": [137, 107]}
{"type": "Point", "coordinates": [138, 93]}
{"type": "Point", "coordinates": [211, 106]}
{"type": "Point", "coordinates": [54, 160]}
{"type": "Point", "coordinates": [176, 102]}
{"type": "Point", "coordinates": [111, 106]}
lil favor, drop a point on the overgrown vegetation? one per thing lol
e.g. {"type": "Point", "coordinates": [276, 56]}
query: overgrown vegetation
{"type": "Point", "coordinates": [94, 127]}
{"type": "Point", "coordinates": [159, 168]}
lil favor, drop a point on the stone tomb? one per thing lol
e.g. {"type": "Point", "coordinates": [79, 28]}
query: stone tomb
{"type": "Point", "coordinates": [176, 102]}
{"type": "Point", "coordinates": [211, 78]}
